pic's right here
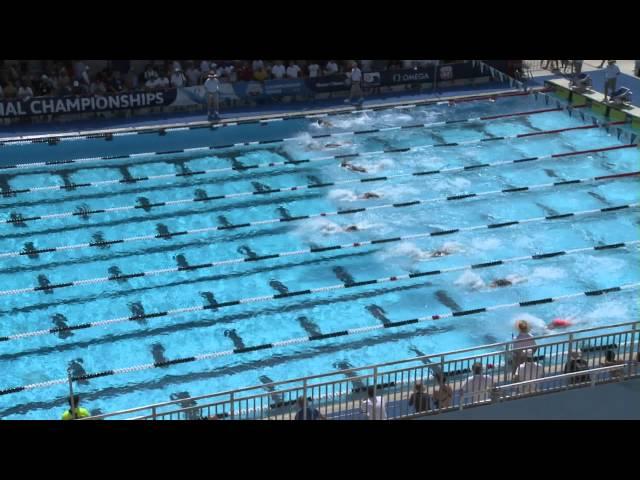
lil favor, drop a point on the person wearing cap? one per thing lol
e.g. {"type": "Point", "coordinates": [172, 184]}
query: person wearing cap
{"type": "Point", "coordinates": [212, 87]}
{"type": "Point", "coordinates": [76, 411]}
{"type": "Point", "coordinates": [610, 78]}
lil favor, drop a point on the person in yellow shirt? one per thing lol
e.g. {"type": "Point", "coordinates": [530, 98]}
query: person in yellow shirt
{"type": "Point", "coordinates": [79, 412]}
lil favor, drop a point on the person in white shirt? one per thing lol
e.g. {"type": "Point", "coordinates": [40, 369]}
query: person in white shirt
{"type": "Point", "coordinates": [610, 78]}
{"type": "Point", "coordinates": [178, 79]}
{"type": "Point", "coordinates": [477, 387]}
{"type": "Point", "coordinates": [529, 370]}
{"type": "Point", "coordinates": [331, 68]}
{"type": "Point", "coordinates": [293, 70]}
{"type": "Point", "coordinates": [356, 84]}
{"type": "Point", "coordinates": [212, 87]}
{"type": "Point", "coordinates": [24, 92]}
{"type": "Point", "coordinates": [278, 70]}
{"type": "Point", "coordinates": [257, 65]}
{"type": "Point", "coordinates": [367, 406]}
{"type": "Point", "coordinates": [314, 70]}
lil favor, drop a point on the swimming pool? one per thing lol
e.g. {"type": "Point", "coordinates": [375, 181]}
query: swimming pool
{"type": "Point", "coordinates": [111, 265]}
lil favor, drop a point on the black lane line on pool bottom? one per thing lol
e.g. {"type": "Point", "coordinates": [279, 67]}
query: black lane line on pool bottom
{"type": "Point", "coordinates": [17, 218]}
{"type": "Point", "coordinates": [73, 186]}
{"type": "Point", "coordinates": [290, 218]}
{"type": "Point", "coordinates": [288, 294]}
{"type": "Point", "coordinates": [300, 340]}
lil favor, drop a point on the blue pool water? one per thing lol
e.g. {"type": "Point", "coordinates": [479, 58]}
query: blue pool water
{"type": "Point", "coordinates": [121, 344]}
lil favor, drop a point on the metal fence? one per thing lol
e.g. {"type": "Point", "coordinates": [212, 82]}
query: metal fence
{"type": "Point", "coordinates": [389, 391]}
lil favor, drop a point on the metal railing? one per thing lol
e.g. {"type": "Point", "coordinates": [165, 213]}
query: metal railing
{"type": "Point", "coordinates": [341, 395]}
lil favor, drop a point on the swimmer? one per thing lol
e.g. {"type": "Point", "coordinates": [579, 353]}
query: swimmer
{"type": "Point", "coordinates": [505, 282]}
{"type": "Point", "coordinates": [368, 196]}
{"type": "Point", "coordinates": [353, 168]}
{"type": "Point", "coordinates": [559, 323]}
{"type": "Point", "coordinates": [331, 228]}
{"type": "Point", "coordinates": [324, 123]}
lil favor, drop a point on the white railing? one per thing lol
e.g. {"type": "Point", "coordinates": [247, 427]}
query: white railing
{"type": "Point", "coordinates": [339, 395]}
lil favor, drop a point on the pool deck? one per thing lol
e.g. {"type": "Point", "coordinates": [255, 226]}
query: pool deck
{"type": "Point", "coordinates": [179, 120]}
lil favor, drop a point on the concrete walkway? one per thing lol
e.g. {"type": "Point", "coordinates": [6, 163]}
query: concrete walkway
{"type": "Point", "coordinates": [592, 67]}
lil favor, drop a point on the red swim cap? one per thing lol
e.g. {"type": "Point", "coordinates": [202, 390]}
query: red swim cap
{"type": "Point", "coordinates": [560, 323]}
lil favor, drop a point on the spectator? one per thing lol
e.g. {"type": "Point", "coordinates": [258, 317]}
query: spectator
{"type": "Point", "coordinates": [115, 84]}
{"type": "Point", "coordinates": [576, 364]}
{"type": "Point", "coordinates": [45, 86]}
{"type": "Point", "coordinates": [178, 78]}
{"type": "Point", "coordinates": [314, 70]}
{"type": "Point", "coordinates": [257, 65]}
{"type": "Point", "coordinates": [419, 399]}
{"type": "Point", "coordinates": [477, 386]}
{"type": "Point", "coordinates": [637, 68]}
{"type": "Point", "coordinates": [356, 84]}
{"type": "Point", "coordinates": [331, 68]}
{"type": "Point", "coordinates": [443, 395]}
{"type": "Point", "coordinates": [524, 341]}
{"type": "Point", "coordinates": [78, 411]}
{"type": "Point", "coordinates": [212, 87]}
{"type": "Point", "coordinates": [176, 65]}
{"type": "Point", "coordinates": [366, 65]}
{"type": "Point", "coordinates": [1, 91]}
{"type": "Point", "coordinates": [312, 413]}
{"type": "Point", "coordinates": [610, 78]}
{"type": "Point", "coordinates": [64, 83]}
{"type": "Point", "coordinates": [245, 74]}
{"type": "Point", "coordinates": [78, 69]}
{"type": "Point", "coordinates": [407, 64]}
{"type": "Point", "coordinates": [260, 74]}
{"type": "Point", "coordinates": [278, 70]}
{"type": "Point", "coordinates": [10, 91]}
{"type": "Point", "coordinates": [529, 370]}
{"type": "Point", "coordinates": [131, 80]}
{"type": "Point", "coordinates": [151, 83]}
{"type": "Point", "coordinates": [24, 92]}
{"type": "Point", "coordinates": [149, 73]}
{"type": "Point", "coordinates": [77, 89]}
{"type": "Point", "coordinates": [193, 75]}
{"type": "Point", "coordinates": [367, 405]}
{"type": "Point", "coordinates": [163, 82]}
{"type": "Point", "coordinates": [98, 87]}
{"type": "Point", "coordinates": [610, 361]}
{"type": "Point", "coordinates": [293, 70]}
{"type": "Point", "coordinates": [205, 67]}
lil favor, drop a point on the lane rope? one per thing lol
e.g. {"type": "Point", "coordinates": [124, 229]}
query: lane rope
{"type": "Point", "coordinates": [300, 340]}
{"type": "Point", "coordinates": [102, 183]}
{"type": "Point", "coordinates": [17, 291]}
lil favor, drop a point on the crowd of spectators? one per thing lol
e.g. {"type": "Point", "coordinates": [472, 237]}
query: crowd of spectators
{"type": "Point", "coordinates": [60, 78]}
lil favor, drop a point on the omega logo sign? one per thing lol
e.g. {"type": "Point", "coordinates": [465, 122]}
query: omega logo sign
{"type": "Point", "coordinates": [409, 77]}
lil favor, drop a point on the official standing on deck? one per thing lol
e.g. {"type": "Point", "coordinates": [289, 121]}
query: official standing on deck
{"type": "Point", "coordinates": [212, 87]}
{"type": "Point", "coordinates": [356, 84]}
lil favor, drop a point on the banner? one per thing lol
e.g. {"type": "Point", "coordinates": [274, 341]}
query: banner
{"type": "Point", "coordinates": [411, 75]}
{"type": "Point", "coordinates": [85, 104]}
{"type": "Point", "coordinates": [326, 84]}
{"type": "Point", "coordinates": [292, 86]}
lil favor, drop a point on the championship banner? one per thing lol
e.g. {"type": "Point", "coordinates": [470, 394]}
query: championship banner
{"type": "Point", "coordinates": [85, 104]}
{"type": "Point", "coordinates": [326, 84]}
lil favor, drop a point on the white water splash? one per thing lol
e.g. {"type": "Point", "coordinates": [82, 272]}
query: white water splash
{"type": "Point", "coordinates": [470, 279]}
{"type": "Point", "coordinates": [486, 243]}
